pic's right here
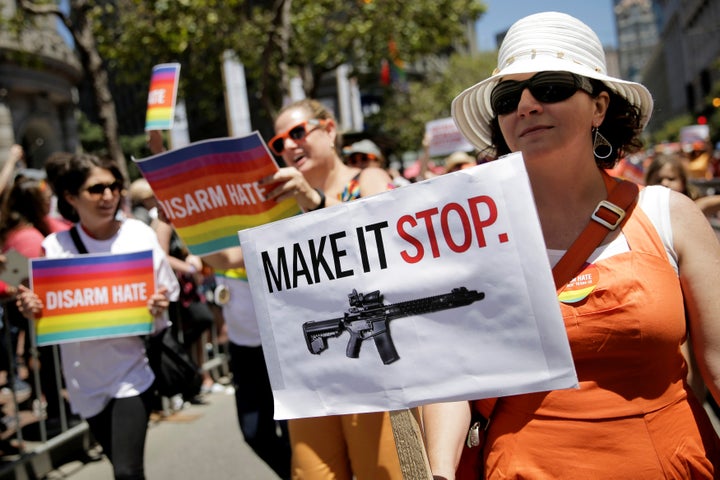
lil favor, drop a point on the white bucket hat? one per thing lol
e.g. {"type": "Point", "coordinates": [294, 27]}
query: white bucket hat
{"type": "Point", "coordinates": [548, 41]}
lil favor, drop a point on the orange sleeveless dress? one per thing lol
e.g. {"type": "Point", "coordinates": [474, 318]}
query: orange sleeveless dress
{"type": "Point", "coordinates": [633, 416]}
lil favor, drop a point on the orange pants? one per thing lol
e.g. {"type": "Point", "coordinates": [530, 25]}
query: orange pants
{"type": "Point", "coordinates": [339, 447]}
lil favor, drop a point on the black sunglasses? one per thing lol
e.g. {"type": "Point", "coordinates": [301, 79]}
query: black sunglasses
{"type": "Point", "coordinates": [546, 87]}
{"type": "Point", "coordinates": [360, 158]}
{"type": "Point", "coordinates": [298, 132]}
{"type": "Point", "coordinates": [99, 188]}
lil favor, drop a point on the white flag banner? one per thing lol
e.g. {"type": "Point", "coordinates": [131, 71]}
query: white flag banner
{"type": "Point", "coordinates": [445, 138]}
{"type": "Point", "coordinates": [437, 291]}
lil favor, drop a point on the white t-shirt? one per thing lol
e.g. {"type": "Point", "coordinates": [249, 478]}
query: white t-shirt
{"type": "Point", "coordinates": [655, 202]}
{"type": "Point", "coordinates": [239, 313]}
{"type": "Point", "coordinates": [97, 371]}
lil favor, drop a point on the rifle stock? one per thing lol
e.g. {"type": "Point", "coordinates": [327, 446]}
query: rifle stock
{"type": "Point", "coordinates": [317, 333]}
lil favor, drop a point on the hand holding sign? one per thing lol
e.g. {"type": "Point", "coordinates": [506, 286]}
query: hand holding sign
{"type": "Point", "coordinates": [210, 189]}
{"type": "Point", "coordinates": [288, 183]}
{"type": "Point", "coordinates": [92, 296]}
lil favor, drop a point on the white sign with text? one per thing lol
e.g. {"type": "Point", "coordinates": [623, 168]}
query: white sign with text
{"type": "Point", "coordinates": [445, 138]}
{"type": "Point", "coordinates": [437, 291]}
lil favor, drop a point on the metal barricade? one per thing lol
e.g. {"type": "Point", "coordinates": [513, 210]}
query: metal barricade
{"type": "Point", "coordinates": [36, 456]}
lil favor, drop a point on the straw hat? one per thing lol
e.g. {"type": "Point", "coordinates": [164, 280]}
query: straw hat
{"type": "Point", "coordinates": [140, 190]}
{"type": "Point", "coordinates": [458, 158]}
{"type": "Point", "coordinates": [364, 146]}
{"type": "Point", "coordinates": [548, 41]}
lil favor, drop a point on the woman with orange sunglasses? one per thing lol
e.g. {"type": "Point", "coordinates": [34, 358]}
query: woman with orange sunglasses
{"type": "Point", "coordinates": [339, 447]}
{"type": "Point", "coordinates": [309, 142]}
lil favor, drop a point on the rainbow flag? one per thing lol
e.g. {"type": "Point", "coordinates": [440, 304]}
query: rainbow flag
{"type": "Point", "coordinates": [161, 97]}
{"type": "Point", "coordinates": [209, 190]}
{"type": "Point", "coordinates": [93, 296]}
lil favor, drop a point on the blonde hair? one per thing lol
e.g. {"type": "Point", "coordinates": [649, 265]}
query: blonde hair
{"type": "Point", "coordinates": [140, 190]}
{"type": "Point", "coordinates": [319, 111]}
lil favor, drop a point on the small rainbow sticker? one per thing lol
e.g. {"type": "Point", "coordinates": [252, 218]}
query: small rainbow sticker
{"type": "Point", "coordinates": [162, 96]}
{"type": "Point", "coordinates": [581, 286]}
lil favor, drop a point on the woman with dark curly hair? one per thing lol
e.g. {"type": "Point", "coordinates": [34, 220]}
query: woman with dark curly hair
{"type": "Point", "coordinates": [108, 380]}
{"type": "Point", "coordinates": [650, 282]}
{"type": "Point", "coordinates": [621, 129]}
{"type": "Point", "coordinates": [23, 217]}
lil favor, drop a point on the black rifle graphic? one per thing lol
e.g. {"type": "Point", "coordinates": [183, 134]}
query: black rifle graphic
{"type": "Point", "coordinates": [368, 317]}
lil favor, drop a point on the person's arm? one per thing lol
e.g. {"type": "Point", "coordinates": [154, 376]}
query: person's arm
{"type": "Point", "coordinates": [6, 290]}
{"type": "Point", "coordinates": [374, 180]}
{"type": "Point", "coordinates": [158, 302]}
{"type": "Point", "coordinates": [424, 158]}
{"type": "Point", "coordinates": [8, 169]}
{"type": "Point", "coordinates": [29, 303]}
{"type": "Point", "coordinates": [710, 204]}
{"type": "Point", "coordinates": [289, 182]}
{"type": "Point", "coordinates": [190, 265]}
{"type": "Point", "coordinates": [698, 253]}
{"type": "Point", "coordinates": [445, 426]}
{"type": "Point", "coordinates": [155, 142]}
{"type": "Point", "coordinates": [226, 259]}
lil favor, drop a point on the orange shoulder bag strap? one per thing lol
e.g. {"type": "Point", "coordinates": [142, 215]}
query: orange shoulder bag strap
{"type": "Point", "coordinates": [607, 217]}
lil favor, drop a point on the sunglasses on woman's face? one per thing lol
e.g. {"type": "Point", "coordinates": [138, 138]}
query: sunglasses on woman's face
{"type": "Point", "coordinates": [297, 133]}
{"type": "Point", "coordinates": [360, 159]}
{"type": "Point", "coordinates": [546, 87]}
{"type": "Point", "coordinates": [99, 188]}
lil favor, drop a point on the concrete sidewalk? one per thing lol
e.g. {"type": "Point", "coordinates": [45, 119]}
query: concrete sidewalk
{"type": "Point", "coordinates": [198, 442]}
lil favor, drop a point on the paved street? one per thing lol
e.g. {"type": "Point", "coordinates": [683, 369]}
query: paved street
{"type": "Point", "coordinates": [199, 442]}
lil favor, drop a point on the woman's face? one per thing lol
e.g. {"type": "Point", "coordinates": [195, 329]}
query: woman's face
{"type": "Point", "coordinates": [46, 195]}
{"type": "Point", "coordinates": [669, 177]}
{"type": "Point", "coordinates": [97, 200]}
{"type": "Point", "coordinates": [315, 149]}
{"type": "Point", "coordinates": [539, 128]}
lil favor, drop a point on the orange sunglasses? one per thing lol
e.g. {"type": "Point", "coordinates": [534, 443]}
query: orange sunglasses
{"type": "Point", "coordinates": [297, 133]}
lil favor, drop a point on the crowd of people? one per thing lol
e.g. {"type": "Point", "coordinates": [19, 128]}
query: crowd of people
{"type": "Point", "coordinates": [644, 340]}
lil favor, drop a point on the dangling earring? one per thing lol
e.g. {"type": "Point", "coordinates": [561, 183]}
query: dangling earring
{"type": "Point", "coordinates": [601, 147]}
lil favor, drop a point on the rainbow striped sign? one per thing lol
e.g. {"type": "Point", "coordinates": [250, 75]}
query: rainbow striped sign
{"type": "Point", "coordinates": [93, 296]}
{"type": "Point", "coordinates": [209, 190]}
{"type": "Point", "coordinates": [162, 96]}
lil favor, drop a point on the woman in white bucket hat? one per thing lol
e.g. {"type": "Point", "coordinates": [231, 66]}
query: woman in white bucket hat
{"type": "Point", "coordinates": [628, 309]}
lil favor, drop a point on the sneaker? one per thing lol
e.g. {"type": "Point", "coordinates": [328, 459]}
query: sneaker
{"type": "Point", "coordinates": [176, 402]}
{"type": "Point", "coordinates": [217, 388]}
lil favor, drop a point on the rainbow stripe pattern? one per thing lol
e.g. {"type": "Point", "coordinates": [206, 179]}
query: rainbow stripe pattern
{"type": "Point", "coordinates": [161, 96]}
{"type": "Point", "coordinates": [93, 296]}
{"type": "Point", "coordinates": [209, 190]}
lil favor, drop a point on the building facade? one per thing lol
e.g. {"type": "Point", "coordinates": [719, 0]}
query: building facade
{"type": "Point", "coordinates": [637, 28]}
{"type": "Point", "coordinates": [38, 77]}
{"type": "Point", "coordinates": [684, 65]}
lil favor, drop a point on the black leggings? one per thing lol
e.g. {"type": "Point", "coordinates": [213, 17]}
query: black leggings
{"type": "Point", "coordinates": [121, 429]}
{"type": "Point", "coordinates": [255, 408]}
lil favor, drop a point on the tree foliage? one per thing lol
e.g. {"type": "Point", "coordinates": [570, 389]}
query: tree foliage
{"type": "Point", "coordinates": [275, 41]}
{"type": "Point", "coordinates": [404, 115]}
{"type": "Point", "coordinates": [670, 130]}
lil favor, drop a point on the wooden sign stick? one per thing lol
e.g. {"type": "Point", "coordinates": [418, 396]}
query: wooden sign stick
{"type": "Point", "coordinates": [410, 444]}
